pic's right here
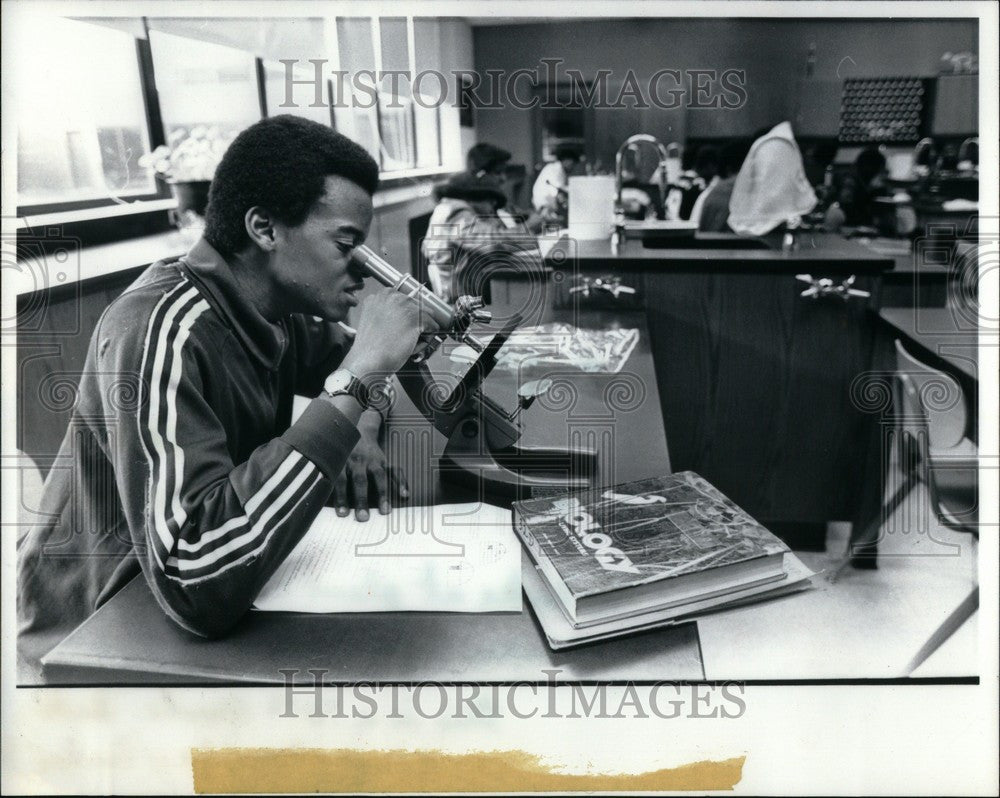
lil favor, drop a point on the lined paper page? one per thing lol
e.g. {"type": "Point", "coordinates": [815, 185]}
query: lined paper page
{"type": "Point", "coordinates": [445, 558]}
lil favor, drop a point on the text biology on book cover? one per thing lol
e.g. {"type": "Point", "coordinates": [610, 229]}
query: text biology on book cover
{"type": "Point", "coordinates": [645, 543]}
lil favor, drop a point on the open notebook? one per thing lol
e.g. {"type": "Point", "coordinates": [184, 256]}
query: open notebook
{"type": "Point", "coordinates": [444, 558]}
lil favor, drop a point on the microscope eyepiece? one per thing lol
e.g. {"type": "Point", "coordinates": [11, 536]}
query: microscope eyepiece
{"type": "Point", "coordinates": [453, 321]}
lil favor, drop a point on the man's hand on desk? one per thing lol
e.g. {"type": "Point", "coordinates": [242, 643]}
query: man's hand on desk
{"type": "Point", "coordinates": [367, 468]}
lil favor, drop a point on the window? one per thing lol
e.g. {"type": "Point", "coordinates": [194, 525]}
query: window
{"type": "Point", "coordinates": [204, 86]}
{"type": "Point", "coordinates": [96, 95]}
{"type": "Point", "coordinates": [81, 121]}
{"type": "Point", "coordinates": [428, 132]}
{"type": "Point", "coordinates": [395, 122]}
{"type": "Point", "coordinates": [400, 133]}
{"type": "Point", "coordinates": [395, 103]}
{"type": "Point", "coordinates": [302, 96]}
{"type": "Point", "coordinates": [354, 114]}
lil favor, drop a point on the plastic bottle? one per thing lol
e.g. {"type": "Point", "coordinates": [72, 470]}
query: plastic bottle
{"type": "Point", "coordinates": [834, 218]}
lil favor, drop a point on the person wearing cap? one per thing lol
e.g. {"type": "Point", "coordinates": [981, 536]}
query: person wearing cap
{"type": "Point", "coordinates": [711, 208]}
{"type": "Point", "coordinates": [465, 223]}
{"type": "Point", "coordinates": [551, 188]}
{"type": "Point", "coordinates": [488, 159]}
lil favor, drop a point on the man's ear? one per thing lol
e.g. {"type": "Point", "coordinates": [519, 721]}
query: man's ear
{"type": "Point", "coordinates": [260, 227]}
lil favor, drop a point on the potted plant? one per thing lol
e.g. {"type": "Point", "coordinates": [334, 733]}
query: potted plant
{"type": "Point", "coordinates": [186, 163]}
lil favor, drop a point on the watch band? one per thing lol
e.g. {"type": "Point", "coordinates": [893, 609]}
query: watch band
{"type": "Point", "coordinates": [382, 396]}
{"type": "Point", "coordinates": [344, 383]}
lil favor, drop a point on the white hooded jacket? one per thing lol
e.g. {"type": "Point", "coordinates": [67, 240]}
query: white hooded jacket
{"type": "Point", "coordinates": [771, 187]}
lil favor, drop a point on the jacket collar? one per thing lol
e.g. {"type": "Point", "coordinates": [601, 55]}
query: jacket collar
{"type": "Point", "coordinates": [213, 276]}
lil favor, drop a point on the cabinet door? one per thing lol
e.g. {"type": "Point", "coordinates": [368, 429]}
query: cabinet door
{"type": "Point", "coordinates": [755, 387]}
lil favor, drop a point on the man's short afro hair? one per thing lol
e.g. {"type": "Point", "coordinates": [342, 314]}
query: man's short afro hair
{"type": "Point", "coordinates": [281, 164]}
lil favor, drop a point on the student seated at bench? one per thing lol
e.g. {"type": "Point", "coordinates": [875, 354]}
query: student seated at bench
{"type": "Point", "coordinates": [181, 461]}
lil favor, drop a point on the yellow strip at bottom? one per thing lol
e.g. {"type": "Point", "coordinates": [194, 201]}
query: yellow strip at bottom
{"type": "Point", "coordinates": [286, 770]}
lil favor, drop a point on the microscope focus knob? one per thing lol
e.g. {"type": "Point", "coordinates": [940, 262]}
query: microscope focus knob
{"type": "Point", "coordinates": [470, 308]}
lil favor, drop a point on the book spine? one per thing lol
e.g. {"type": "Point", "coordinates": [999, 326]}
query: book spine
{"type": "Point", "coordinates": [524, 532]}
{"type": "Point", "coordinates": [541, 560]}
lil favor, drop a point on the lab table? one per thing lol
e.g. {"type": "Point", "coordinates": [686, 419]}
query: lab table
{"type": "Point", "coordinates": [946, 337]}
{"type": "Point", "coordinates": [865, 624]}
{"type": "Point", "coordinates": [130, 638]}
{"type": "Point", "coordinates": [862, 625]}
{"type": "Point", "coordinates": [758, 371]}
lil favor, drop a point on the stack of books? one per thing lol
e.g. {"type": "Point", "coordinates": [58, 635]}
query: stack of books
{"type": "Point", "coordinates": [612, 561]}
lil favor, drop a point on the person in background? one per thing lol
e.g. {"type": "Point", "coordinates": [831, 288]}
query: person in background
{"type": "Point", "coordinates": [857, 191]}
{"type": "Point", "coordinates": [699, 167]}
{"type": "Point", "coordinates": [771, 189]}
{"type": "Point", "coordinates": [465, 222]}
{"type": "Point", "coordinates": [818, 161]}
{"type": "Point", "coordinates": [551, 190]}
{"type": "Point", "coordinates": [181, 460]}
{"type": "Point", "coordinates": [706, 166]}
{"type": "Point", "coordinates": [635, 202]}
{"type": "Point", "coordinates": [711, 209]}
{"type": "Point", "coordinates": [488, 159]}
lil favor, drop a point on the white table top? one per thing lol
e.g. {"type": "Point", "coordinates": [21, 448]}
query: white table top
{"type": "Point", "coordinates": [866, 624]}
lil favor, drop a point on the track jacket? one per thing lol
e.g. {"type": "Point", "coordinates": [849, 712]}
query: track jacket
{"type": "Point", "coordinates": [179, 459]}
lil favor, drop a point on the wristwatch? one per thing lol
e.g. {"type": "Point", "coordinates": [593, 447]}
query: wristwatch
{"type": "Point", "coordinates": [343, 382]}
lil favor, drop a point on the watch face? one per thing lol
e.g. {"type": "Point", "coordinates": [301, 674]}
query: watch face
{"type": "Point", "coordinates": [340, 380]}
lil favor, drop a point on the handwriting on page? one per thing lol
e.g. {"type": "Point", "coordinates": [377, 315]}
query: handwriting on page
{"type": "Point", "coordinates": [446, 558]}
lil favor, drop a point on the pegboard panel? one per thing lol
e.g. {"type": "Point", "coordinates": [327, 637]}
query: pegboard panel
{"type": "Point", "coordinates": [884, 110]}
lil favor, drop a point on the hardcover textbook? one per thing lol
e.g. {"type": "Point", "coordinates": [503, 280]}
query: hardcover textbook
{"type": "Point", "coordinates": [646, 546]}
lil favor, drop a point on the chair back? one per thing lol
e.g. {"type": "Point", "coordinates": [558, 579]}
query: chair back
{"type": "Point", "coordinates": [933, 395]}
{"type": "Point", "coordinates": [29, 498]}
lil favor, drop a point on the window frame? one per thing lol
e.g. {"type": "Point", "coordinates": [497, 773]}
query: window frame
{"type": "Point", "coordinates": [154, 137]}
{"type": "Point", "coordinates": [156, 132]}
{"type": "Point", "coordinates": [386, 175]}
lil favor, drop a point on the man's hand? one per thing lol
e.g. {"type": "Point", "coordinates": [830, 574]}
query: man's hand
{"type": "Point", "coordinates": [387, 332]}
{"type": "Point", "coordinates": [367, 467]}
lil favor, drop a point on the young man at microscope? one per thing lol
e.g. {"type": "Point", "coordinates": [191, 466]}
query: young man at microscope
{"type": "Point", "coordinates": [181, 459]}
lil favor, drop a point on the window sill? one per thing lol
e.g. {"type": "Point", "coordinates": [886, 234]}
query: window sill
{"type": "Point", "coordinates": [106, 259]}
{"type": "Point", "coordinates": [90, 214]}
{"type": "Point", "coordinates": [87, 263]}
{"type": "Point", "coordinates": [394, 187]}
{"type": "Point", "coordinates": [389, 180]}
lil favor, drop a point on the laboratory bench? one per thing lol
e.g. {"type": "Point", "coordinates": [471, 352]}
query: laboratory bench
{"type": "Point", "coordinates": [737, 377]}
{"type": "Point", "coordinates": [130, 638]}
{"type": "Point", "coordinates": [861, 625]}
{"type": "Point", "coordinates": [759, 365]}
{"type": "Point", "coordinates": [722, 253]}
{"type": "Point", "coordinates": [947, 339]}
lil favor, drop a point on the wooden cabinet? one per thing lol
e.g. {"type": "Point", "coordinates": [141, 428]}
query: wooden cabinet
{"type": "Point", "coordinates": [755, 384]}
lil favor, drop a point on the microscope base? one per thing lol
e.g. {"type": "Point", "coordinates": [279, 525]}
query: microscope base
{"type": "Point", "coordinates": [519, 472]}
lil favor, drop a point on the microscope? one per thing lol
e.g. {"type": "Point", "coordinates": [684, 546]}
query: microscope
{"type": "Point", "coordinates": [482, 448]}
